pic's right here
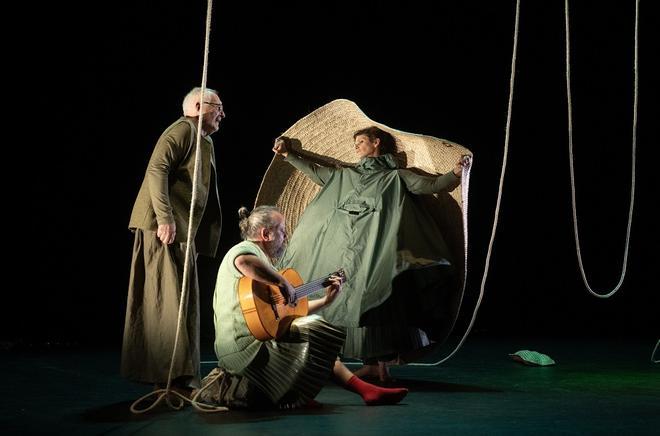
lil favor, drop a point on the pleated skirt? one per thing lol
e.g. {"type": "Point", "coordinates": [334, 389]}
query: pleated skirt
{"type": "Point", "coordinates": [292, 370]}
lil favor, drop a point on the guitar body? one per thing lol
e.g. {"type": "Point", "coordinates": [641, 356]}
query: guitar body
{"type": "Point", "coordinates": [266, 315]}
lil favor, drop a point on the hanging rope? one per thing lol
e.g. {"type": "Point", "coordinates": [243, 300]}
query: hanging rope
{"type": "Point", "coordinates": [570, 151]}
{"type": "Point", "coordinates": [167, 394]}
{"type": "Point", "coordinates": [499, 197]}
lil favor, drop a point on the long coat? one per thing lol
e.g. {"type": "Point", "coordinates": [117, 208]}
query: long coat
{"type": "Point", "coordinates": [166, 190]}
{"type": "Point", "coordinates": [366, 221]}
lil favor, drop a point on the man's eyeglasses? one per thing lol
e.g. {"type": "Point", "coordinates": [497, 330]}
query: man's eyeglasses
{"type": "Point", "coordinates": [215, 105]}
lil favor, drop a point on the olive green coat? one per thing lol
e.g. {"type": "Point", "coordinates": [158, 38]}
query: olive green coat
{"type": "Point", "coordinates": [166, 191]}
{"type": "Point", "coordinates": [366, 221]}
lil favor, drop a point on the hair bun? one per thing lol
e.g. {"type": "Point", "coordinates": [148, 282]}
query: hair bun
{"type": "Point", "coordinates": [243, 212]}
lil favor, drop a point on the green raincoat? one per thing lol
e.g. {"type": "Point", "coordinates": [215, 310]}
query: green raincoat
{"type": "Point", "coordinates": [398, 267]}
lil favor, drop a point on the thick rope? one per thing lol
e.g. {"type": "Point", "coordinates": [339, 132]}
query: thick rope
{"type": "Point", "coordinates": [167, 393]}
{"type": "Point", "coordinates": [499, 197]}
{"type": "Point", "coordinates": [570, 150]}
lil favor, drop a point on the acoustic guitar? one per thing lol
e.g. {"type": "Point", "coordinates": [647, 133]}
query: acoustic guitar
{"type": "Point", "coordinates": [264, 308]}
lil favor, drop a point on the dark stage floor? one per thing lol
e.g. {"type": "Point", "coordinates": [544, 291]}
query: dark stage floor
{"type": "Point", "coordinates": [597, 387]}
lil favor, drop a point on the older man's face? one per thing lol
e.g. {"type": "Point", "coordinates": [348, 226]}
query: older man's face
{"type": "Point", "coordinates": [212, 113]}
{"type": "Point", "coordinates": [277, 244]}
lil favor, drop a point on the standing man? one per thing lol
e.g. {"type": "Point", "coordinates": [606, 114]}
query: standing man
{"type": "Point", "coordinates": [160, 223]}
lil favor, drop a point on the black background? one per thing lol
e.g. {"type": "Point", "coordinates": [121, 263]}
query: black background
{"type": "Point", "coordinates": [102, 80]}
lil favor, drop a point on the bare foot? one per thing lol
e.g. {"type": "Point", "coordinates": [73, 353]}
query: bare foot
{"type": "Point", "coordinates": [379, 372]}
{"type": "Point", "coordinates": [384, 372]}
{"type": "Point", "coordinates": [368, 372]}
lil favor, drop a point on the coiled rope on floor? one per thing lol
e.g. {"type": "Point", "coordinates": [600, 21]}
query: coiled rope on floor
{"type": "Point", "coordinates": [572, 164]}
{"type": "Point", "coordinates": [174, 399]}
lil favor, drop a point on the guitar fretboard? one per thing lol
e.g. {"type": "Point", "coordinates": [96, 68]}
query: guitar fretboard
{"type": "Point", "coordinates": [313, 286]}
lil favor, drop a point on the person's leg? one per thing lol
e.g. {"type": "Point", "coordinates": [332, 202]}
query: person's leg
{"type": "Point", "coordinates": [375, 368]}
{"type": "Point", "coordinates": [371, 394]}
{"type": "Point", "coordinates": [369, 369]}
{"type": "Point", "coordinates": [384, 372]}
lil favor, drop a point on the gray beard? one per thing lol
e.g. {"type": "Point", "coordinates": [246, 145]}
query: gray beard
{"type": "Point", "coordinates": [280, 251]}
{"type": "Point", "coordinates": [277, 254]}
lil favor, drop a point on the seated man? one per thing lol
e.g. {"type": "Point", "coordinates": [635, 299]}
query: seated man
{"type": "Point", "coordinates": [289, 371]}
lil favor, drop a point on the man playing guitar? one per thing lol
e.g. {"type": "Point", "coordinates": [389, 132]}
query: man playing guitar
{"type": "Point", "coordinates": [290, 369]}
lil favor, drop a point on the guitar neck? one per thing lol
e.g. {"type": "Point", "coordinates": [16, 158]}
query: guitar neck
{"type": "Point", "coordinates": [311, 287]}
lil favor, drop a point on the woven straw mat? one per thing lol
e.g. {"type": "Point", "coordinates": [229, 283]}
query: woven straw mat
{"type": "Point", "coordinates": [326, 137]}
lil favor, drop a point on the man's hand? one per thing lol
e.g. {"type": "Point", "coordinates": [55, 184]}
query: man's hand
{"type": "Point", "coordinates": [280, 146]}
{"type": "Point", "coordinates": [334, 289]}
{"type": "Point", "coordinates": [166, 233]}
{"type": "Point", "coordinates": [288, 292]}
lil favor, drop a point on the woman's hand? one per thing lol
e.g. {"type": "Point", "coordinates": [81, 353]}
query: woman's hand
{"type": "Point", "coordinates": [280, 146]}
{"type": "Point", "coordinates": [464, 161]}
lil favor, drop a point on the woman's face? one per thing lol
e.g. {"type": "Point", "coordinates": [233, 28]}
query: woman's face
{"type": "Point", "coordinates": [365, 147]}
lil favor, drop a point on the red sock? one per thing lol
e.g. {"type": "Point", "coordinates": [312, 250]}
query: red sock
{"type": "Point", "coordinates": [375, 395]}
